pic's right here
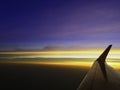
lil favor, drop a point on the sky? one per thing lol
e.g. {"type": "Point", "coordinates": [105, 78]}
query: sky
{"type": "Point", "coordinates": [46, 24]}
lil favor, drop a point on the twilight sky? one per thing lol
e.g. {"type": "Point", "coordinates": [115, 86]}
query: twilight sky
{"type": "Point", "coordinates": [37, 24]}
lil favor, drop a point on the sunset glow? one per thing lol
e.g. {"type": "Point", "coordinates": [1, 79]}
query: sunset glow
{"type": "Point", "coordinates": [115, 65]}
{"type": "Point", "coordinates": [90, 53]}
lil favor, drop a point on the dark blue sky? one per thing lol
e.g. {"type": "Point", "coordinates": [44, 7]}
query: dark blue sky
{"type": "Point", "coordinates": [67, 23]}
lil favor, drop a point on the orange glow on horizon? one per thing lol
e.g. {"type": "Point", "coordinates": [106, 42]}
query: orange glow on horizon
{"type": "Point", "coordinates": [90, 53]}
{"type": "Point", "coordinates": [56, 52]}
{"type": "Point", "coordinates": [67, 63]}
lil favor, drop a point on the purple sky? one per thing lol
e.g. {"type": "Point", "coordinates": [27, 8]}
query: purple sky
{"type": "Point", "coordinates": [34, 24]}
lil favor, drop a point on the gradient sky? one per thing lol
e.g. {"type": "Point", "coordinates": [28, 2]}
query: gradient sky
{"type": "Point", "coordinates": [37, 24]}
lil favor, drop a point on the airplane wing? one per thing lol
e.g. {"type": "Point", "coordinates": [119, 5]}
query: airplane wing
{"type": "Point", "coordinates": [101, 76]}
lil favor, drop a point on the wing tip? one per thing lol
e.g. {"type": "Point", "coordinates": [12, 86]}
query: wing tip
{"type": "Point", "coordinates": [103, 56]}
{"type": "Point", "coordinates": [101, 61]}
{"type": "Point", "coordinates": [110, 45]}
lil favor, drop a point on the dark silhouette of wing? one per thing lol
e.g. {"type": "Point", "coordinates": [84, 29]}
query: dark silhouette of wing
{"type": "Point", "coordinates": [101, 76]}
{"type": "Point", "coordinates": [101, 61]}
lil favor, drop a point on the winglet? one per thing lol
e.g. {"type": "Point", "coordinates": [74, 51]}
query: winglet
{"type": "Point", "coordinates": [104, 54]}
{"type": "Point", "coordinates": [101, 61]}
